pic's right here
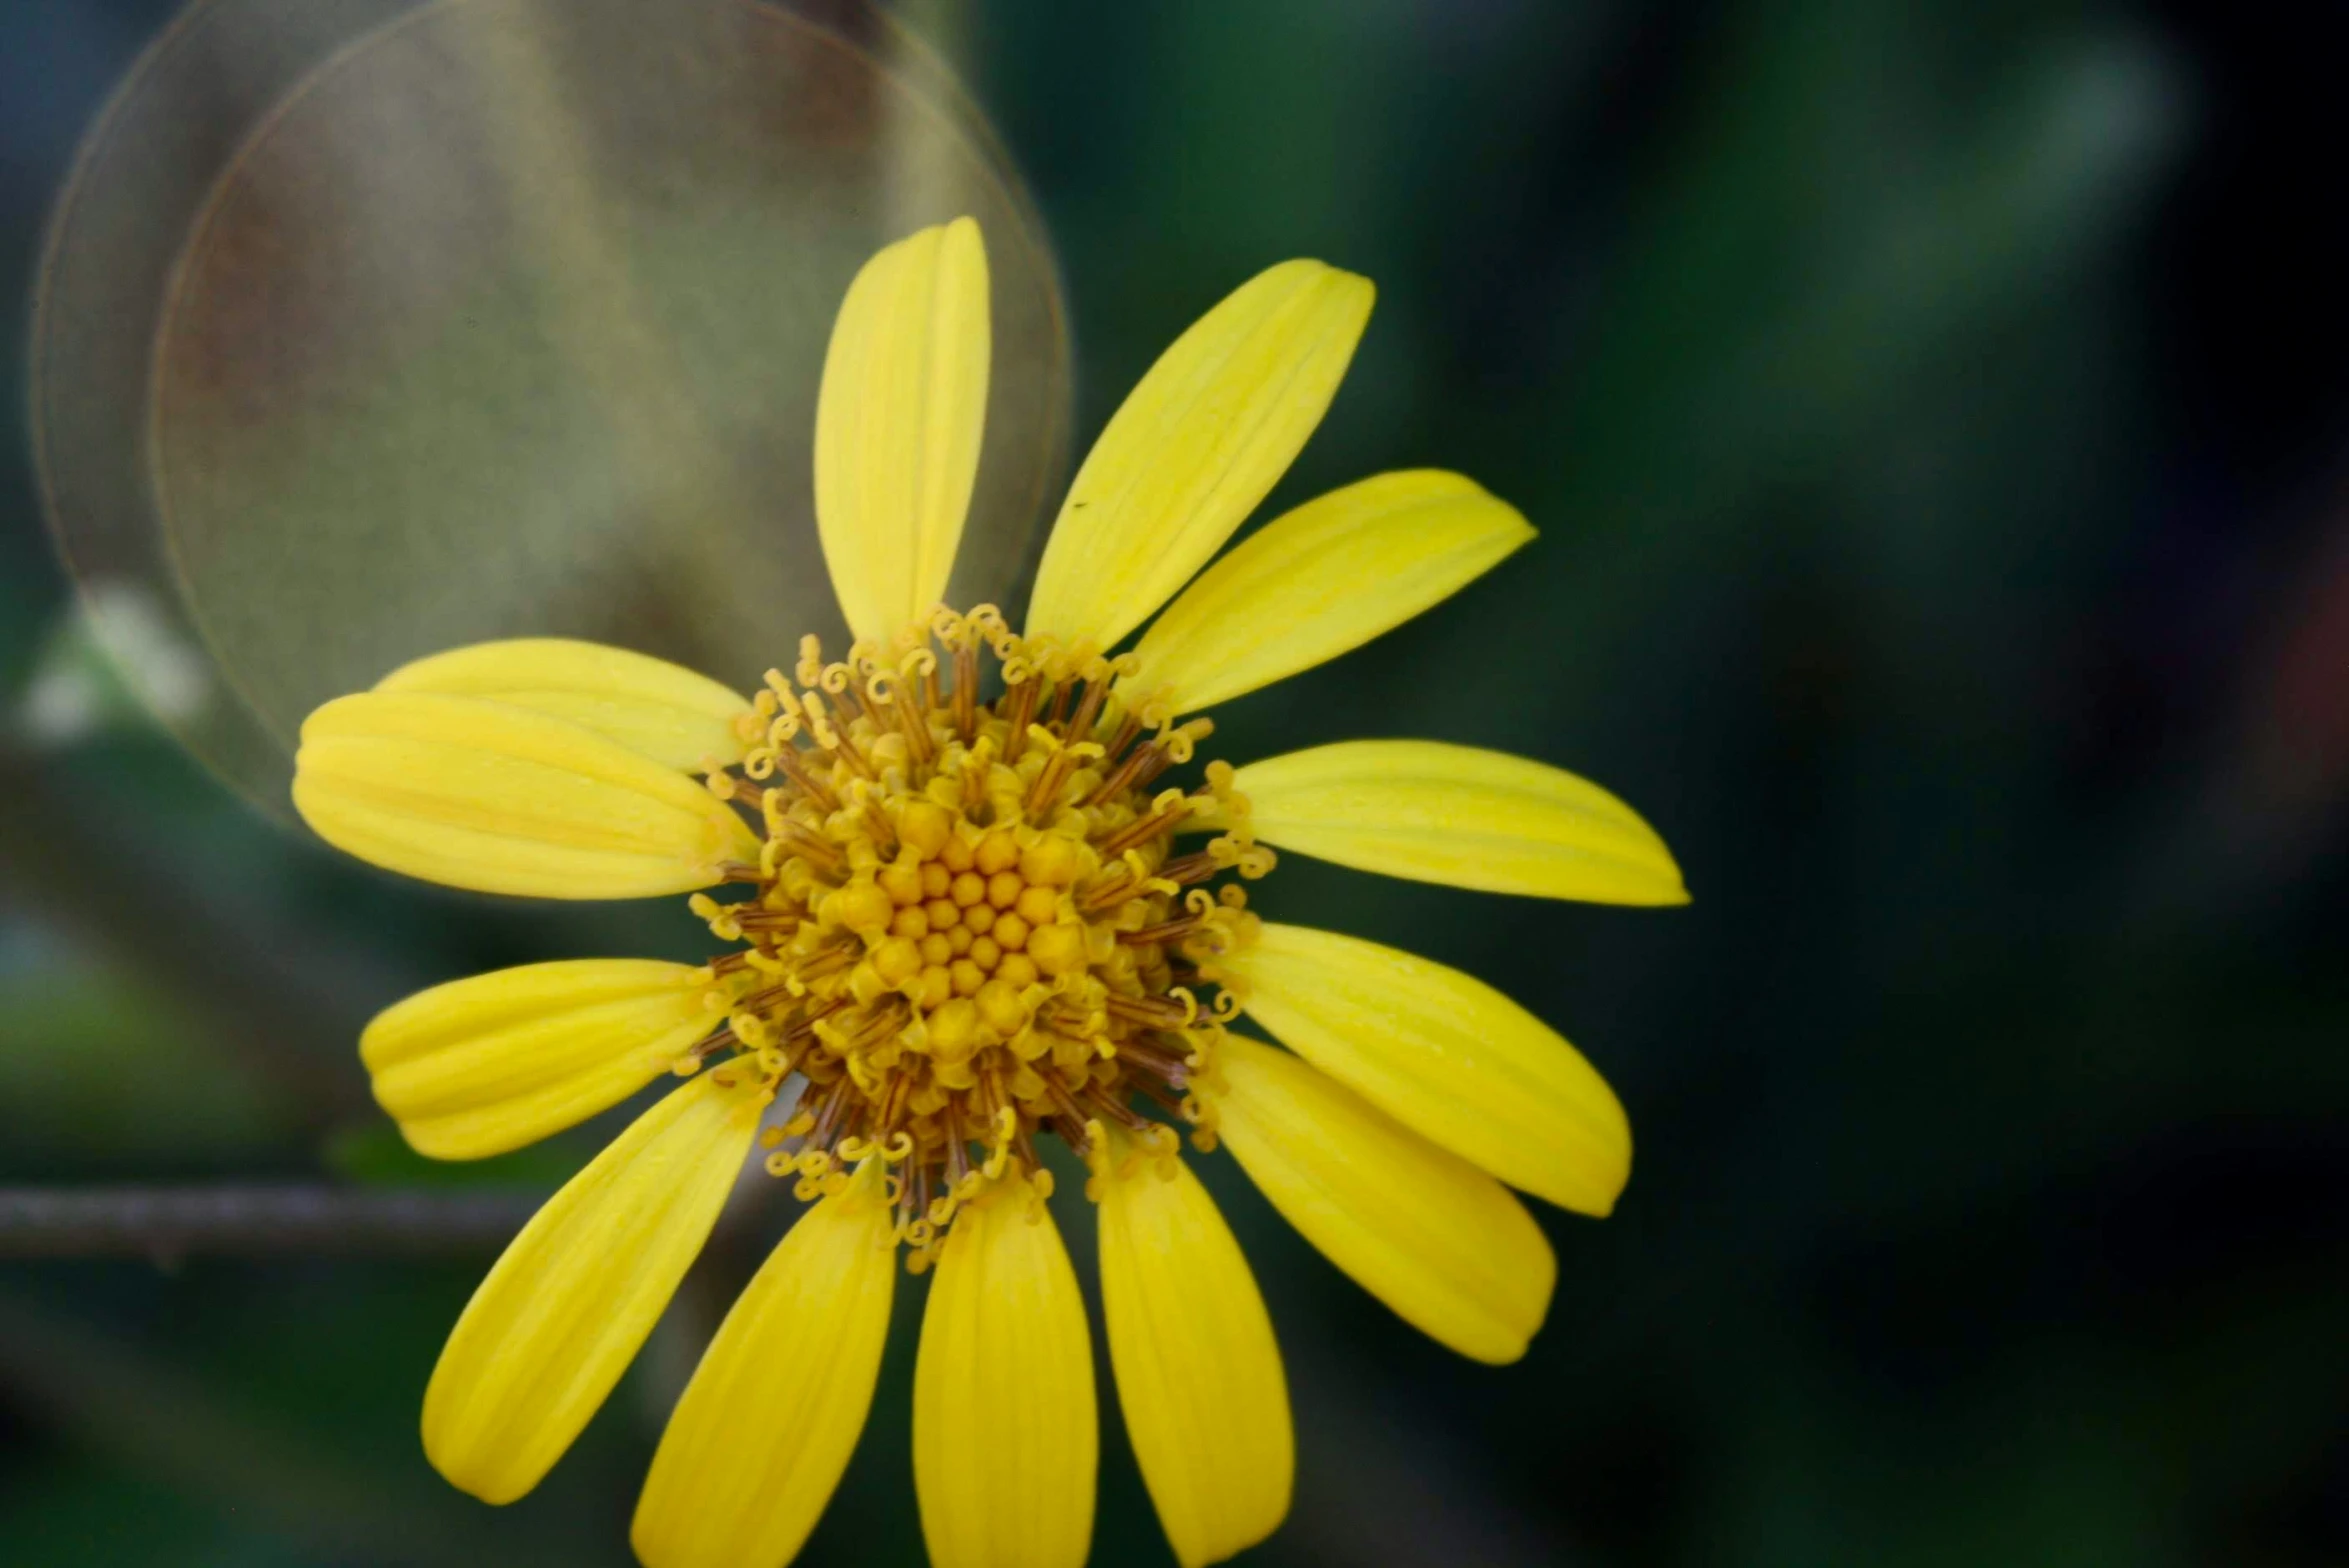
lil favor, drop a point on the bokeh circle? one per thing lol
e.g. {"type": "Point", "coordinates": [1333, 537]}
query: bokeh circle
{"type": "Point", "coordinates": [375, 327]}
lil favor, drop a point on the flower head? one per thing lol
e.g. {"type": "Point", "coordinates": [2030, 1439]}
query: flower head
{"type": "Point", "coordinates": [969, 913]}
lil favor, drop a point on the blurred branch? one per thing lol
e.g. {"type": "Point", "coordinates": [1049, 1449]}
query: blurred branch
{"type": "Point", "coordinates": [169, 1223]}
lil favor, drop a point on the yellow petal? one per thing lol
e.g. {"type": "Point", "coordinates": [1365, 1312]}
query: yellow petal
{"type": "Point", "coordinates": [480, 1066]}
{"type": "Point", "coordinates": [758, 1442]}
{"type": "Point", "coordinates": [479, 795]}
{"type": "Point", "coordinates": [1198, 1374]}
{"type": "Point", "coordinates": [1005, 1437]}
{"type": "Point", "coordinates": [1437, 1240]}
{"type": "Point", "coordinates": [1210, 429]}
{"type": "Point", "coordinates": [1446, 1055]}
{"type": "Point", "coordinates": [667, 712]}
{"type": "Point", "coordinates": [898, 425]}
{"type": "Point", "coordinates": [1323, 580]}
{"type": "Point", "coordinates": [1460, 816]}
{"type": "Point", "coordinates": [563, 1312]}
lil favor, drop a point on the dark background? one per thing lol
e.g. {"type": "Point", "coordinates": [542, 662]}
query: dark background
{"type": "Point", "coordinates": [1935, 414]}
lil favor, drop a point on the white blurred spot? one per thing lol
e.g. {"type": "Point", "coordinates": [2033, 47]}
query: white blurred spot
{"type": "Point", "coordinates": [111, 661]}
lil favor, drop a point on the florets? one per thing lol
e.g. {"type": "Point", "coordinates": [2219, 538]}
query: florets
{"type": "Point", "coordinates": [970, 923]}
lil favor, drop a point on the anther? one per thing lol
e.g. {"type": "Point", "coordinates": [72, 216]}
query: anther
{"type": "Point", "coordinates": [1023, 711]}
{"type": "Point", "coordinates": [1164, 931]}
{"type": "Point", "coordinates": [1141, 829]}
{"type": "Point", "coordinates": [1185, 870]}
{"type": "Point", "coordinates": [1026, 1148]}
{"type": "Point", "coordinates": [1112, 891]}
{"type": "Point", "coordinates": [1171, 1073]}
{"type": "Point", "coordinates": [1153, 1011]}
{"type": "Point", "coordinates": [1127, 774]}
{"type": "Point", "coordinates": [804, 1029]}
{"type": "Point", "coordinates": [1073, 1132]}
{"type": "Point", "coordinates": [723, 1039]}
{"type": "Point", "coordinates": [826, 1130]}
{"type": "Point", "coordinates": [1172, 1096]}
{"type": "Point", "coordinates": [810, 848]}
{"type": "Point", "coordinates": [966, 691]}
{"type": "Point", "coordinates": [1062, 1101]}
{"type": "Point", "coordinates": [1173, 749]}
{"type": "Point", "coordinates": [877, 822]}
{"type": "Point", "coordinates": [1116, 1110]}
{"type": "Point", "coordinates": [1088, 709]}
{"type": "Point", "coordinates": [795, 767]}
{"type": "Point", "coordinates": [1127, 731]}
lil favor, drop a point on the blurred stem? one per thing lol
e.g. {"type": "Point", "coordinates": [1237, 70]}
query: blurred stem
{"type": "Point", "coordinates": [170, 1223]}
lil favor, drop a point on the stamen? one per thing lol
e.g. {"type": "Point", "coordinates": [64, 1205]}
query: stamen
{"type": "Point", "coordinates": [1160, 820]}
{"type": "Point", "coordinates": [1055, 773]}
{"type": "Point", "coordinates": [1116, 1110]}
{"type": "Point", "coordinates": [1161, 1070]}
{"type": "Point", "coordinates": [805, 1029]}
{"type": "Point", "coordinates": [827, 1127]}
{"type": "Point", "coordinates": [1188, 869]}
{"type": "Point", "coordinates": [1125, 736]}
{"type": "Point", "coordinates": [795, 768]}
{"type": "Point", "coordinates": [724, 1039]}
{"type": "Point", "coordinates": [1124, 775]}
{"type": "Point", "coordinates": [1089, 709]}
{"type": "Point", "coordinates": [1154, 1011]}
{"type": "Point", "coordinates": [1164, 932]}
{"type": "Point", "coordinates": [966, 691]}
{"type": "Point", "coordinates": [809, 847]}
{"type": "Point", "coordinates": [1062, 1100]}
{"type": "Point", "coordinates": [1121, 886]}
{"type": "Point", "coordinates": [1073, 1133]}
{"type": "Point", "coordinates": [877, 822]}
{"type": "Point", "coordinates": [1168, 1097]}
{"type": "Point", "coordinates": [834, 739]}
{"type": "Point", "coordinates": [1023, 712]}
{"type": "Point", "coordinates": [958, 1155]}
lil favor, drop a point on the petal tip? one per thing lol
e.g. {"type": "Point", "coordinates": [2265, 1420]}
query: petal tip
{"type": "Point", "coordinates": [480, 1482]}
{"type": "Point", "coordinates": [420, 1139]}
{"type": "Point", "coordinates": [1356, 297]}
{"type": "Point", "coordinates": [1497, 1354]}
{"type": "Point", "coordinates": [1597, 1198]}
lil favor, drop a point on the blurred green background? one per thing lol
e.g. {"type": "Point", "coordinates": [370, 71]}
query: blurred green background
{"type": "Point", "coordinates": [1936, 416]}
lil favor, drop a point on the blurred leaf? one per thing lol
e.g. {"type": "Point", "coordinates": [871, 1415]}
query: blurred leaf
{"type": "Point", "coordinates": [93, 1066]}
{"type": "Point", "coordinates": [165, 1423]}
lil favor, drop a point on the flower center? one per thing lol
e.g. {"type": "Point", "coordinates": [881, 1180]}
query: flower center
{"type": "Point", "coordinates": [970, 922]}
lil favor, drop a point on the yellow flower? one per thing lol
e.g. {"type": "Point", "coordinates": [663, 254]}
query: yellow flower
{"type": "Point", "coordinates": [971, 922]}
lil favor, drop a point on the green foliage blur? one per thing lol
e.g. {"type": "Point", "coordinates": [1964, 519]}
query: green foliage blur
{"type": "Point", "coordinates": [1934, 418]}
